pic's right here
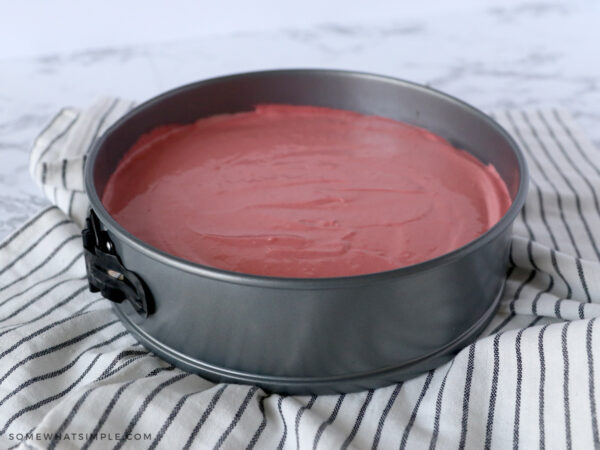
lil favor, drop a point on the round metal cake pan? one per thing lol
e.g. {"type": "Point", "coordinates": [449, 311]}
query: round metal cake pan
{"type": "Point", "coordinates": [303, 336]}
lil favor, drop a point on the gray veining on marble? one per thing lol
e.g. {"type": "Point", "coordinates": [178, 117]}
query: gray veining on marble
{"type": "Point", "coordinates": [534, 54]}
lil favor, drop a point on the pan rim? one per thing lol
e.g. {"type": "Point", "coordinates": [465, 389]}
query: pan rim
{"type": "Point", "coordinates": [306, 283]}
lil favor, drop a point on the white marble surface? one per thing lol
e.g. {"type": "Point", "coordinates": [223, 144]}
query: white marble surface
{"type": "Point", "coordinates": [524, 55]}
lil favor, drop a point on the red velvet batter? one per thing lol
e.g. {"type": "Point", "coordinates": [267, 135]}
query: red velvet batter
{"type": "Point", "coordinates": [298, 191]}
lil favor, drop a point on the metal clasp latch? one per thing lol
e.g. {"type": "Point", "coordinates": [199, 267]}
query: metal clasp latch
{"type": "Point", "coordinates": [105, 272]}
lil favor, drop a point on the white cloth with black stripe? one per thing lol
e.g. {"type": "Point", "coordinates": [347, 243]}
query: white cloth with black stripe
{"type": "Point", "coordinates": [68, 366]}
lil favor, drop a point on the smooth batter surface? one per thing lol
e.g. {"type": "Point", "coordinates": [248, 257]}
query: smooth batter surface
{"type": "Point", "coordinates": [297, 191]}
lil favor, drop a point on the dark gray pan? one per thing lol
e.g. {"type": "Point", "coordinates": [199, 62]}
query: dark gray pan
{"type": "Point", "coordinates": [314, 335]}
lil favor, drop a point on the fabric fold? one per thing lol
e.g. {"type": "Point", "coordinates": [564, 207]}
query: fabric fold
{"type": "Point", "coordinates": [69, 366]}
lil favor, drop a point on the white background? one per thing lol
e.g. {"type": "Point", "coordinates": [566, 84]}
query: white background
{"type": "Point", "coordinates": [58, 26]}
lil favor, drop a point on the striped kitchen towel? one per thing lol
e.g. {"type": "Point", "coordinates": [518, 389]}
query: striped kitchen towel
{"type": "Point", "coordinates": [72, 377]}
